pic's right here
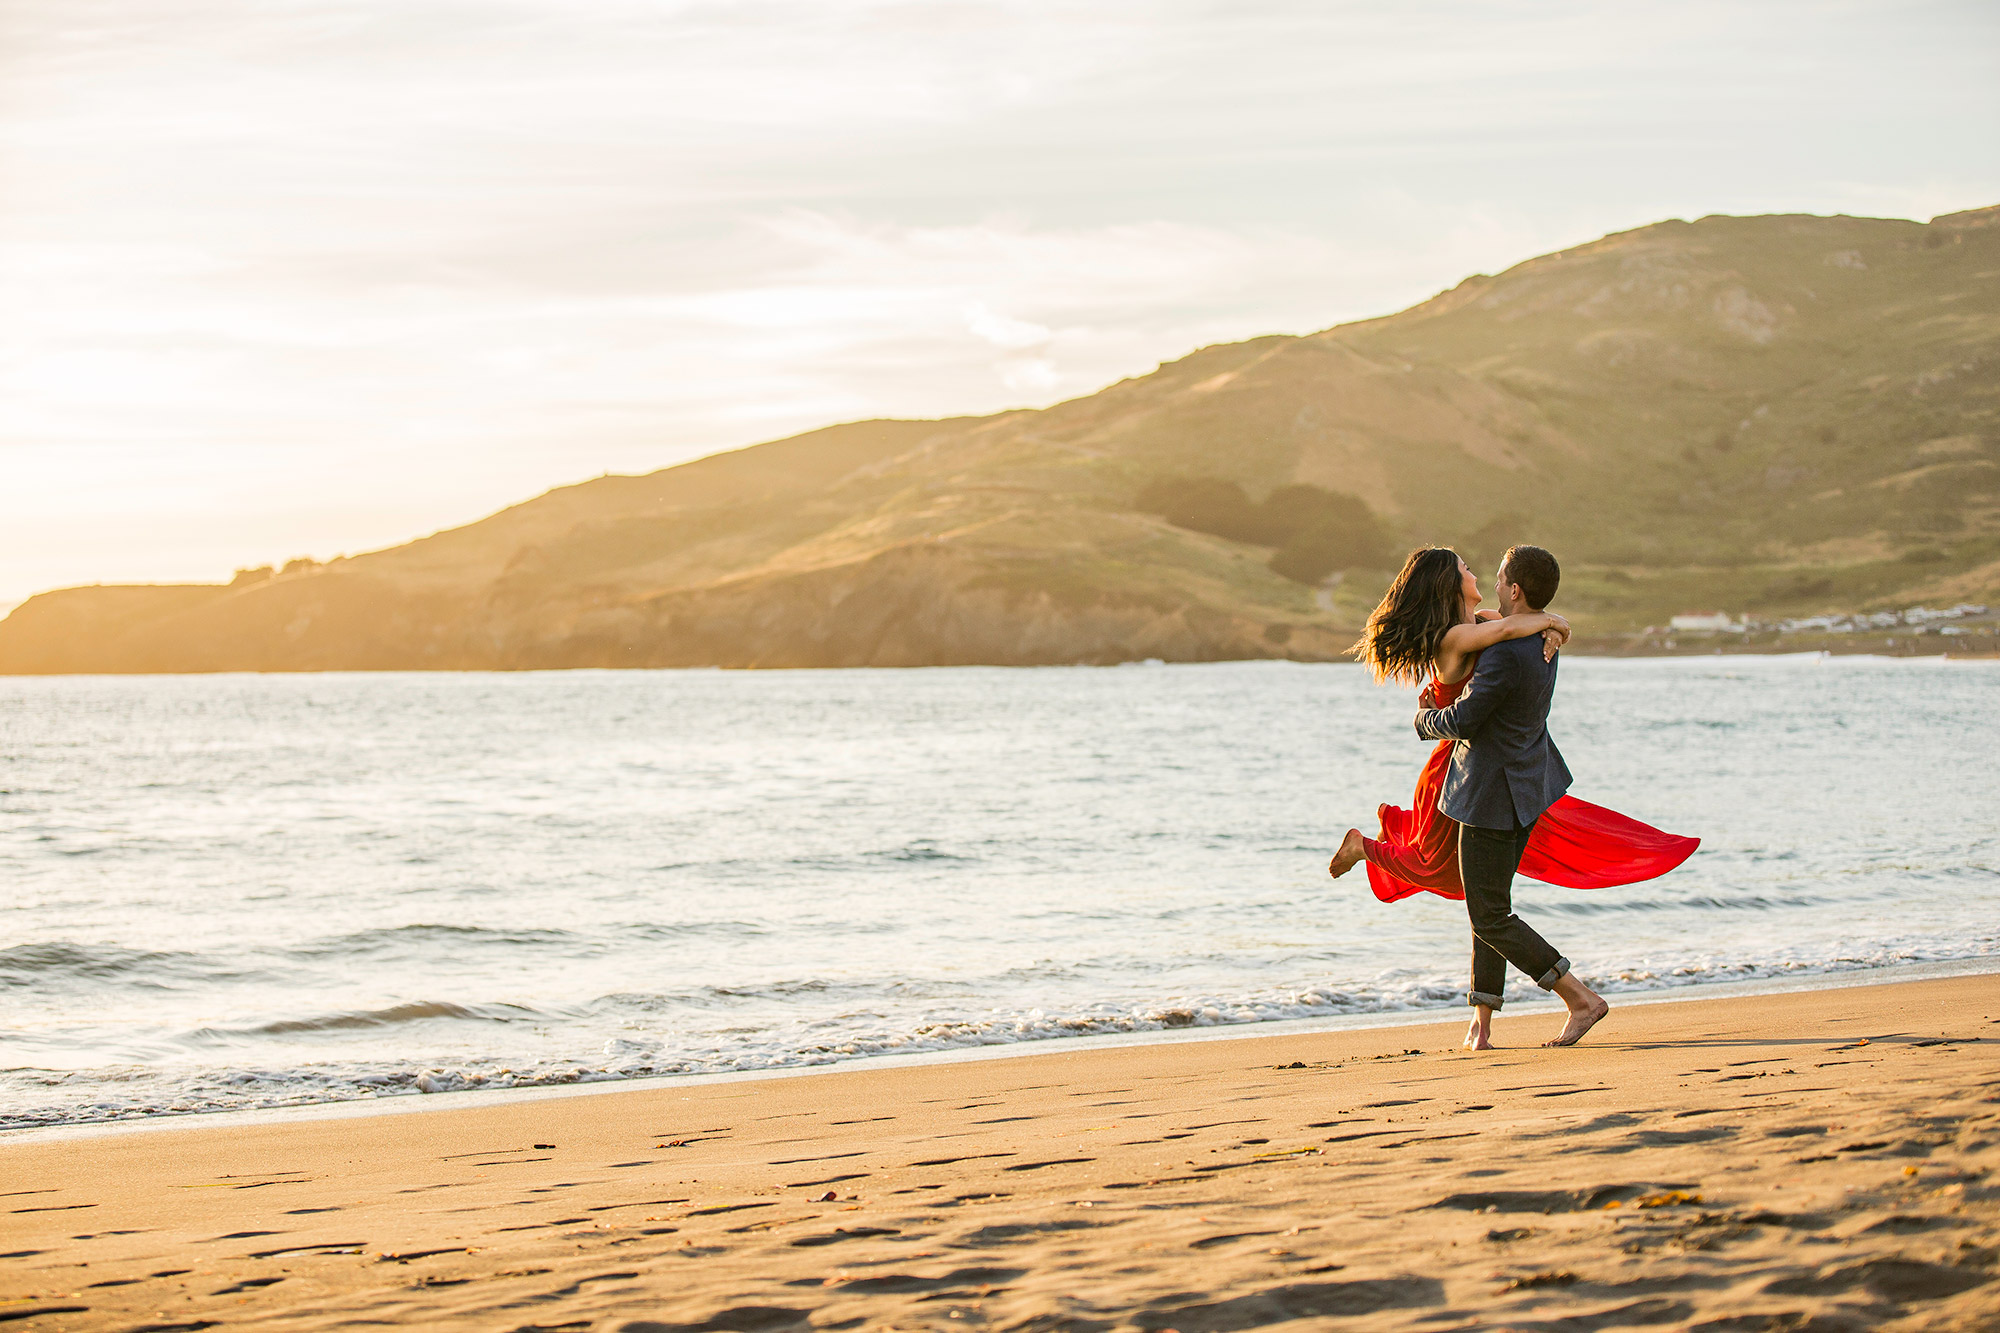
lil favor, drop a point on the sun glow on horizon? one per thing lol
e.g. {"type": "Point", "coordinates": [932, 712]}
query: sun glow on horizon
{"type": "Point", "coordinates": [328, 277]}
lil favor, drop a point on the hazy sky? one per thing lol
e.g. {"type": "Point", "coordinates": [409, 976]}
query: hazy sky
{"type": "Point", "coordinates": [289, 277]}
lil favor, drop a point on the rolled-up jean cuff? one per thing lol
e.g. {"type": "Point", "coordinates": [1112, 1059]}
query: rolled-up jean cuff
{"type": "Point", "coordinates": [1548, 979]}
{"type": "Point", "coordinates": [1481, 997]}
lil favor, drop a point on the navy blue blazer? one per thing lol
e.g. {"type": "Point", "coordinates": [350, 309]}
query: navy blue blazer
{"type": "Point", "coordinates": [1504, 770]}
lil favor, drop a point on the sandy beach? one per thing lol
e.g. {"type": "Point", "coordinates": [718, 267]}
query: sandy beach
{"type": "Point", "coordinates": [1816, 1160]}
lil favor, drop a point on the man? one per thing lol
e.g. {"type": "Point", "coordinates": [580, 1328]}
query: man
{"type": "Point", "coordinates": [1505, 771]}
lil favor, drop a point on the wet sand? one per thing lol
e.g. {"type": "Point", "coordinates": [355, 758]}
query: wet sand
{"type": "Point", "coordinates": [1814, 1161]}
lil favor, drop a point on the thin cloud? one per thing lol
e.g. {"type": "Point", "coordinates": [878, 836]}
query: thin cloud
{"type": "Point", "coordinates": [326, 274]}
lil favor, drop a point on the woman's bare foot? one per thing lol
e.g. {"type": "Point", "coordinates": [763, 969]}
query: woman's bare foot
{"type": "Point", "coordinates": [1350, 855]}
{"type": "Point", "coordinates": [1479, 1032]}
{"type": "Point", "coordinates": [1586, 1007]}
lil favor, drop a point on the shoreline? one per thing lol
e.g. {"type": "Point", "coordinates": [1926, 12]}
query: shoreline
{"type": "Point", "coordinates": [1602, 649]}
{"type": "Point", "coordinates": [1531, 1003]}
{"type": "Point", "coordinates": [1822, 1158]}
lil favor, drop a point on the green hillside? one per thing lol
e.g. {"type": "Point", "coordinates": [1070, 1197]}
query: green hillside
{"type": "Point", "coordinates": [1773, 416]}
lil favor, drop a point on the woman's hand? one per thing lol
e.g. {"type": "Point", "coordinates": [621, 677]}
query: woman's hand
{"type": "Point", "coordinates": [1427, 697]}
{"type": "Point", "coordinates": [1554, 635]}
{"type": "Point", "coordinates": [1465, 640]}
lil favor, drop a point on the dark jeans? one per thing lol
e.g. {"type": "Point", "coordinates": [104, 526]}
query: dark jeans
{"type": "Point", "coordinates": [1487, 859]}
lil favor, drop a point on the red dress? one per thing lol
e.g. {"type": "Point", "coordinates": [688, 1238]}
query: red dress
{"type": "Point", "coordinates": [1575, 844]}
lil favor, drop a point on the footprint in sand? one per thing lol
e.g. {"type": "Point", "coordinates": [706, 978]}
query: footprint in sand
{"type": "Point", "coordinates": [829, 1157]}
{"type": "Point", "coordinates": [1554, 1201]}
{"type": "Point", "coordinates": [324, 1247]}
{"type": "Point", "coordinates": [969, 1280]}
{"type": "Point", "coordinates": [247, 1284]}
{"type": "Point", "coordinates": [1668, 1138]}
{"type": "Point", "coordinates": [1896, 1279]}
{"type": "Point", "coordinates": [969, 1157]}
{"type": "Point", "coordinates": [727, 1208]}
{"type": "Point", "coordinates": [1906, 1224]}
{"type": "Point", "coordinates": [1304, 1300]}
{"type": "Point", "coordinates": [762, 1318]}
{"type": "Point", "coordinates": [1010, 1233]}
{"type": "Point", "coordinates": [1218, 1124]}
{"type": "Point", "coordinates": [1056, 1161]}
{"type": "Point", "coordinates": [839, 1234]}
{"type": "Point", "coordinates": [1210, 1242]}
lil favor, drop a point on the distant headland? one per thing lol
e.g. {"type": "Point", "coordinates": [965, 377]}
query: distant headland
{"type": "Point", "coordinates": [1784, 425]}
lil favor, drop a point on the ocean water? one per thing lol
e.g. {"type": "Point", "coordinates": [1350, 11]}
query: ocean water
{"type": "Point", "coordinates": [250, 891]}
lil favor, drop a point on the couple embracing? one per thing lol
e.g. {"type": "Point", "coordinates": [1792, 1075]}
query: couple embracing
{"type": "Point", "coordinates": [1493, 798]}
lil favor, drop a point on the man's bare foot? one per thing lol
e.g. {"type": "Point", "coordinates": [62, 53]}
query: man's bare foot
{"type": "Point", "coordinates": [1349, 856]}
{"type": "Point", "coordinates": [1586, 1007]}
{"type": "Point", "coordinates": [1479, 1032]}
{"type": "Point", "coordinates": [1580, 1022]}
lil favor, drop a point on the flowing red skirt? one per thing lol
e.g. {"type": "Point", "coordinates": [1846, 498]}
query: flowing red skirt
{"type": "Point", "coordinates": [1575, 844]}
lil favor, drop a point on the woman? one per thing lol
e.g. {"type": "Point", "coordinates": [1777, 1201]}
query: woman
{"type": "Point", "coordinates": [1428, 623]}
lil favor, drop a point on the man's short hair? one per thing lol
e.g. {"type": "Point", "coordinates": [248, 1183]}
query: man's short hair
{"type": "Point", "coordinates": [1535, 572]}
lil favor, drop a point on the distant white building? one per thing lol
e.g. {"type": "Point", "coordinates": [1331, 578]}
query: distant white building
{"type": "Point", "coordinates": [1705, 620]}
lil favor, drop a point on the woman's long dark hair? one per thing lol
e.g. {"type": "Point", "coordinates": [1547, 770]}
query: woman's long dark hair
{"type": "Point", "coordinates": [1405, 632]}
